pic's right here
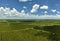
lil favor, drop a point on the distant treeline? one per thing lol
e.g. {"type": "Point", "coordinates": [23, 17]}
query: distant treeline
{"type": "Point", "coordinates": [30, 20]}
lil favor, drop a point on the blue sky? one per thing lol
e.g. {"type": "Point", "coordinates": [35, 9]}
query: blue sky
{"type": "Point", "coordinates": [31, 7]}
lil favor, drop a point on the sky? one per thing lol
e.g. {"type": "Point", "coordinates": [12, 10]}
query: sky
{"type": "Point", "coordinates": [29, 9]}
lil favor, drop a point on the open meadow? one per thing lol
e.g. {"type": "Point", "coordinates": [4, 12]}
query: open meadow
{"type": "Point", "coordinates": [17, 30]}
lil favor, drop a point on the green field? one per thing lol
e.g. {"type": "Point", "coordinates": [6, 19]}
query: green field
{"type": "Point", "coordinates": [18, 30]}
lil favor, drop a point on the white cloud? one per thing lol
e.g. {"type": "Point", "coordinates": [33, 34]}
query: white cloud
{"type": "Point", "coordinates": [24, 7]}
{"type": "Point", "coordinates": [45, 12]}
{"type": "Point", "coordinates": [24, 0]}
{"type": "Point", "coordinates": [44, 7]}
{"type": "Point", "coordinates": [50, 17]}
{"type": "Point", "coordinates": [7, 13]}
{"type": "Point", "coordinates": [35, 8]}
{"type": "Point", "coordinates": [53, 10]}
{"type": "Point", "coordinates": [58, 12]}
{"type": "Point", "coordinates": [22, 11]}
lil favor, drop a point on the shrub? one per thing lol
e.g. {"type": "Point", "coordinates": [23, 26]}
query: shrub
{"type": "Point", "coordinates": [36, 27]}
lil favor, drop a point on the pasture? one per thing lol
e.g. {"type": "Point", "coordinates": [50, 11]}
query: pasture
{"type": "Point", "coordinates": [17, 30]}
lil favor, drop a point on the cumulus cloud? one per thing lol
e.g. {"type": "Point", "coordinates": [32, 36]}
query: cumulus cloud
{"type": "Point", "coordinates": [35, 8]}
{"type": "Point", "coordinates": [24, 0]}
{"type": "Point", "coordinates": [22, 11]}
{"type": "Point", "coordinates": [45, 12]}
{"type": "Point", "coordinates": [44, 7]}
{"type": "Point", "coordinates": [53, 10]}
{"type": "Point", "coordinates": [7, 13]}
{"type": "Point", "coordinates": [24, 7]}
{"type": "Point", "coordinates": [58, 12]}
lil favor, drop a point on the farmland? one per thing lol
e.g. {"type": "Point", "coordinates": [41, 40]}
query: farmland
{"type": "Point", "coordinates": [18, 30]}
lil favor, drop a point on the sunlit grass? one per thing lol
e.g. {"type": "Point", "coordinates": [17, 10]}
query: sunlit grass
{"type": "Point", "coordinates": [27, 31]}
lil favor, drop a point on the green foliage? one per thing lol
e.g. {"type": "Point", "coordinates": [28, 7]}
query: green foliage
{"type": "Point", "coordinates": [36, 27]}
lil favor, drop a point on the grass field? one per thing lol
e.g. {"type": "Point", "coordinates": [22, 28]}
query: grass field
{"type": "Point", "coordinates": [47, 30]}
